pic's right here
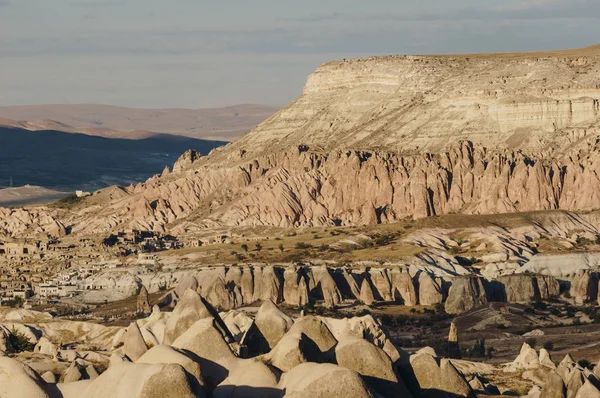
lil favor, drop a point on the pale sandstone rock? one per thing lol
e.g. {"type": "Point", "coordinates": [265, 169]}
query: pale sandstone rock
{"type": "Point", "coordinates": [584, 287]}
{"type": "Point", "coordinates": [19, 380]}
{"type": "Point", "coordinates": [576, 381]}
{"type": "Point", "coordinates": [46, 347]}
{"type": "Point", "coordinates": [554, 386]}
{"type": "Point", "coordinates": [129, 380]}
{"type": "Point", "coordinates": [295, 290]}
{"type": "Point", "coordinates": [252, 380]}
{"type": "Point", "coordinates": [143, 302]}
{"type": "Point", "coordinates": [430, 293]}
{"type": "Point", "coordinates": [323, 381]}
{"type": "Point", "coordinates": [272, 322]}
{"type": "Point", "coordinates": [134, 346]}
{"type": "Point", "coordinates": [465, 294]}
{"type": "Point", "coordinates": [366, 292]}
{"type": "Point", "coordinates": [190, 308]}
{"type": "Point", "coordinates": [546, 360]}
{"type": "Point", "coordinates": [403, 287]}
{"type": "Point", "coordinates": [588, 390]}
{"type": "Point", "coordinates": [438, 377]}
{"type": "Point", "coordinates": [373, 365]}
{"type": "Point", "coordinates": [214, 355]}
{"type": "Point", "coordinates": [49, 377]}
{"type": "Point", "coordinates": [73, 373]}
{"type": "Point", "coordinates": [185, 283]}
{"type": "Point", "coordinates": [164, 354]}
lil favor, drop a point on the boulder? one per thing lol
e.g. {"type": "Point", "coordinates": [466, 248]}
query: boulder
{"type": "Point", "coordinates": [366, 292]}
{"type": "Point", "coordinates": [554, 386]}
{"type": "Point", "coordinates": [331, 293]}
{"type": "Point", "coordinates": [164, 354]}
{"type": "Point", "coordinates": [134, 346]}
{"type": "Point", "coordinates": [438, 378]}
{"type": "Point", "coordinates": [46, 347]}
{"type": "Point", "coordinates": [576, 381]}
{"type": "Point", "coordinates": [247, 285]}
{"type": "Point", "coordinates": [267, 285]}
{"type": "Point", "coordinates": [565, 367]}
{"type": "Point", "coordinates": [466, 293]}
{"type": "Point", "coordinates": [91, 372]}
{"type": "Point", "coordinates": [129, 380]}
{"type": "Point", "coordinates": [430, 293]}
{"type": "Point", "coordinates": [143, 302]}
{"type": "Point", "coordinates": [205, 341]}
{"type": "Point", "coordinates": [527, 359]}
{"type": "Point", "coordinates": [19, 380]}
{"type": "Point", "coordinates": [250, 380]}
{"type": "Point", "coordinates": [584, 287]}
{"type": "Point", "coordinates": [373, 365]}
{"type": "Point", "coordinates": [73, 373]}
{"type": "Point", "coordinates": [381, 282]}
{"type": "Point", "coordinates": [546, 360]}
{"type": "Point", "coordinates": [49, 377]}
{"type": "Point", "coordinates": [190, 309]}
{"type": "Point", "coordinates": [316, 330]}
{"type": "Point", "coordinates": [403, 287]}
{"type": "Point", "coordinates": [323, 381]}
{"type": "Point", "coordinates": [588, 390]}
{"type": "Point", "coordinates": [185, 283]}
{"type": "Point", "coordinates": [295, 290]}
{"type": "Point", "coordinates": [272, 322]}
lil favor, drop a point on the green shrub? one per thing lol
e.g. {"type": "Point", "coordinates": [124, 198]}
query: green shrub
{"type": "Point", "coordinates": [548, 345]}
{"type": "Point", "coordinates": [531, 341]}
{"type": "Point", "coordinates": [19, 342]}
{"type": "Point", "coordinates": [302, 245]}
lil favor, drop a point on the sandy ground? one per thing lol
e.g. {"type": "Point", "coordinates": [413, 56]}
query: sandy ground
{"type": "Point", "coordinates": [29, 195]}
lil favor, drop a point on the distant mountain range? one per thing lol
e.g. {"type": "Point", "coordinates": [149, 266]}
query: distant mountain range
{"type": "Point", "coordinates": [70, 161]}
{"type": "Point", "coordinates": [225, 124]}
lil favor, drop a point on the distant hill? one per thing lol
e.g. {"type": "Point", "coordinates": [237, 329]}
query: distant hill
{"type": "Point", "coordinates": [69, 161]}
{"type": "Point", "coordinates": [225, 124]}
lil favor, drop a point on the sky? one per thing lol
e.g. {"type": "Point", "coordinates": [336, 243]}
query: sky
{"type": "Point", "coordinates": [200, 53]}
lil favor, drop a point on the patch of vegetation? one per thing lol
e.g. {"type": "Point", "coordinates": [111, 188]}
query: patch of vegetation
{"type": "Point", "coordinates": [19, 342]}
{"type": "Point", "coordinates": [548, 345]}
{"type": "Point", "coordinates": [69, 202]}
{"type": "Point", "coordinates": [302, 245]}
{"type": "Point", "coordinates": [531, 341]}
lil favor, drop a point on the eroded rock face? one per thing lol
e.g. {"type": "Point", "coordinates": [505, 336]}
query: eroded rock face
{"type": "Point", "coordinates": [272, 323]}
{"type": "Point", "coordinates": [143, 301]}
{"type": "Point", "coordinates": [432, 377]}
{"type": "Point", "coordinates": [584, 287]}
{"type": "Point", "coordinates": [430, 293]}
{"type": "Point", "coordinates": [465, 294]}
{"type": "Point", "coordinates": [373, 365]}
{"type": "Point", "coordinates": [324, 380]}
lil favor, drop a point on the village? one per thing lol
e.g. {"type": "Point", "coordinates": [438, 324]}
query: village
{"type": "Point", "coordinates": [42, 271]}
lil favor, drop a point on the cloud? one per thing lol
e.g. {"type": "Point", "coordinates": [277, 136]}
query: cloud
{"type": "Point", "coordinates": [4, 3]}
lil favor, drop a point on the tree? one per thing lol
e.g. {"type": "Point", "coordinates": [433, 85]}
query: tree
{"type": "Point", "coordinates": [258, 247]}
{"type": "Point", "coordinates": [19, 342]}
{"type": "Point", "coordinates": [244, 247]}
{"type": "Point", "coordinates": [281, 247]}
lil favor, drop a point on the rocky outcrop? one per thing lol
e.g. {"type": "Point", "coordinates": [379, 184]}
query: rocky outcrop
{"type": "Point", "coordinates": [430, 293]}
{"type": "Point", "coordinates": [143, 302]}
{"type": "Point", "coordinates": [435, 376]}
{"type": "Point", "coordinates": [324, 380]}
{"type": "Point", "coordinates": [466, 293]}
{"type": "Point", "coordinates": [373, 365]}
{"type": "Point", "coordinates": [403, 287]}
{"type": "Point", "coordinates": [584, 287]}
{"type": "Point", "coordinates": [134, 345]}
{"type": "Point", "coordinates": [272, 323]}
{"type": "Point", "coordinates": [524, 288]}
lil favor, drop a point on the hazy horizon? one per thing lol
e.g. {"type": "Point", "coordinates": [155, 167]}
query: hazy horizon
{"type": "Point", "coordinates": [193, 55]}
